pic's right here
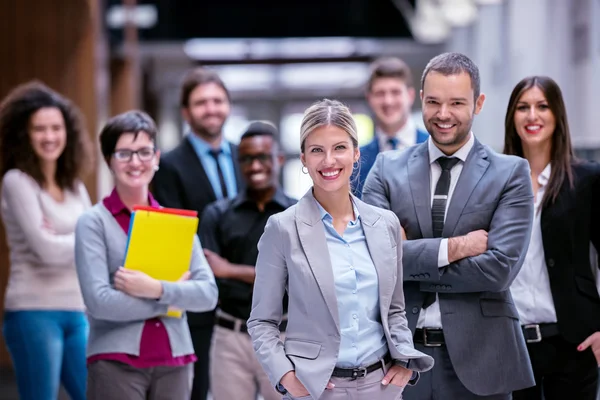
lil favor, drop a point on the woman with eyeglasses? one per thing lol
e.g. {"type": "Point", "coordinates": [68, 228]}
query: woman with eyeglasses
{"type": "Point", "coordinates": [134, 352]}
{"type": "Point", "coordinates": [44, 150]}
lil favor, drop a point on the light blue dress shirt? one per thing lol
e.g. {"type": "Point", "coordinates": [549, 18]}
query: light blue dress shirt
{"type": "Point", "coordinates": [202, 149]}
{"type": "Point", "coordinates": [363, 340]}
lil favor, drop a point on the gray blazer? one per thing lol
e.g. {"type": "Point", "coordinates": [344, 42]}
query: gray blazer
{"type": "Point", "coordinates": [479, 319]}
{"type": "Point", "coordinates": [117, 319]}
{"type": "Point", "coordinates": [293, 256]}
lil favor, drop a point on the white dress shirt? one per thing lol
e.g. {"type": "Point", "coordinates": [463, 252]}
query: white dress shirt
{"type": "Point", "coordinates": [531, 288]}
{"type": "Point", "coordinates": [407, 136]}
{"type": "Point", "coordinates": [431, 316]}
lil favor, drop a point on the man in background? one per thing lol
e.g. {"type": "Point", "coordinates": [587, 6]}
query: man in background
{"type": "Point", "coordinates": [390, 94]}
{"type": "Point", "coordinates": [202, 169]}
{"type": "Point", "coordinates": [230, 231]}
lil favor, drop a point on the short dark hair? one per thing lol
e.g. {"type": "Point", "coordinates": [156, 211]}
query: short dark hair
{"type": "Point", "coordinates": [134, 121]}
{"type": "Point", "coordinates": [197, 77]}
{"type": "Point", "coordinates": [16, 150]}
{"type": "Point", "coordinates": [453, 64]}
{"type": "Point", "coordinates": [389, 67]}
{"type": "Point", "coordinates": [260, 128]}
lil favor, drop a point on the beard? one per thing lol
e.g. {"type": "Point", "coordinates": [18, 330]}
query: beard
{"type": "Point", "coordinates": [206, 131]}
{"type": "Point", "coordinates": [461, 133]}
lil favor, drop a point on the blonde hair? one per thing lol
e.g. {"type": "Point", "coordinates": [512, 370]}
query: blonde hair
{"type": "Point", "coordinates": [328, 113]}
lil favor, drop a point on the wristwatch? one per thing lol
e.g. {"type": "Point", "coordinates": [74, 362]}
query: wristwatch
{"type": "Point", "coordinates": [281, 389]}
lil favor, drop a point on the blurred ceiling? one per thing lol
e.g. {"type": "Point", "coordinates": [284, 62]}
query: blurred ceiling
{"type": "Point", "coordinates": [179, 20]}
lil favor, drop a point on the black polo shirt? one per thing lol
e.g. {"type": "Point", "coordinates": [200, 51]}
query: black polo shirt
{"type": "Point", "coordinates": [232, 229]}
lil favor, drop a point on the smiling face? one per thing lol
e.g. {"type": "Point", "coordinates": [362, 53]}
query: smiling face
{"type": "Point", "coordinates": [391, 100]}
{"type": "Point", "coordinates": [449, 109]}
{"type": "Point", "coordinates": [134, 161]}
{"type": "Point", "coordinates": [259, 162]}
{"type": "Point", "coordinates": [534, 121]}
{"type": "Point", "coordinates": [207, 110]}
{"type": "Point", "coordinates": [48, 134]}
{"type": "Point", "coordinates": [329, 156]}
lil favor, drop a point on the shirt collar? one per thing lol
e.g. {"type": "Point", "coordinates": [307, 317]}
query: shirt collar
{"type": "Point", "coordinates": [461, 154]}
{"type": "Point", "coordinates": [326, 216]}
{"type": "Point", "coordinates": [544, 177]}
{"type": "Point", "coordinates": [279, 198]}
{"type": "Point", "coordinates": [203, 147]}
{"type": "Point", "coordinates": [115, 205]}
{"type": "Point", "coordinates": [407, 135]}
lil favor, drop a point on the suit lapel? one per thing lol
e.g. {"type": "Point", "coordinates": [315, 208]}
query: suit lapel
{"type": "Point", "coordinates": [380, 246]}
{"type": "Point", "coordinates": [196, 173]}
{"type": "Point", "coordinates": [312, 237]}
{"type": "Point", "coordinates": [471, 174]}
{"type": "Point", "coordinates": [419, 181]}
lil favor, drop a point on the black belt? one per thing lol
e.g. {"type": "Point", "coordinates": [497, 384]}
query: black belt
{"type": "Point", "coordinates": [534, 333]}
{"type": "Point", "coordinates": [229, 324]}
{"type": "Point", "coordinates": [429, 337]}
{"type": "Point", "coordinates": [355, 373]}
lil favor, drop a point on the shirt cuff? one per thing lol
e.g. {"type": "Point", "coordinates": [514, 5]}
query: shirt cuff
{"type": "Point", "coordinates": [443, 254]}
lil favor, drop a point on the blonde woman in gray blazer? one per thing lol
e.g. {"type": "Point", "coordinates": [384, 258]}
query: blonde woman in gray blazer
{"type": "Point", "coordinates": [340, 261]}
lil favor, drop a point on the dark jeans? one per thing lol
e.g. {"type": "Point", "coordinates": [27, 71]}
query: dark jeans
{"type": "Point", "coordinates": [47, 348]}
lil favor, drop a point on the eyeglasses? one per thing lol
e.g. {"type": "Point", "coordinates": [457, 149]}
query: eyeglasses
{"type": "Point", "coordinates": [144, 154]}
{"type": "Point", "coordinates": [262, 158]}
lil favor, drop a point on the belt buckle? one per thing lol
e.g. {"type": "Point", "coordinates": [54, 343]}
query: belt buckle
{"type": "Point", "coordinates": [359, 373]}
{"type": "Point", "coordinates": [538, 333]}
{"type": "Point", "coordinates": [425, 340]}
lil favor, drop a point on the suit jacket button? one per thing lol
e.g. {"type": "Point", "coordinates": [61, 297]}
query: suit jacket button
{"type": "Point", "coordinates": [551, 262]}
{"type": "Point", "coordinates": [415, 310]}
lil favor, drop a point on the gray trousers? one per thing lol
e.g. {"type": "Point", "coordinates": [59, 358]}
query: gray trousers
{"type": "Point", "coordinates": [111, 380]}
{"type": "Point", "coordinates": [367, 388]}
{"type": "Point", "coordinates": [441, 383]}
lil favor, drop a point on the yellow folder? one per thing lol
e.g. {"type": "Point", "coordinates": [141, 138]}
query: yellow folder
{"type": "Point", "coordinates": [160, 243]}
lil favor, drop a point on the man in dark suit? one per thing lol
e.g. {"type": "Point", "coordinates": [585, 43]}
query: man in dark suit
{"type": "Point", "coordinates": [390, 94]}
{"type": "Point", "coordinates": [201, 170]}
{"type": "Point", "coordinates": [467, 212]}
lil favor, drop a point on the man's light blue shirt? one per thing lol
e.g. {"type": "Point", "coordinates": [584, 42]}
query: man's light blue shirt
{"type": "Point", "coordinates": [226, 161]}
{"type": "Point", "coordinates": [363, 340]}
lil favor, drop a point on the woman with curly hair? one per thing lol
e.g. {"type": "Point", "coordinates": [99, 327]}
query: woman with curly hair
{"type": "Point", "coordinates": [43, 151]}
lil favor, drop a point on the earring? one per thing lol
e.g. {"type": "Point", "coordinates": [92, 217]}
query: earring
{"type": "Point", "coordinates": [303, 168]}
{"type": "Point", "coordinates": [156, 167]}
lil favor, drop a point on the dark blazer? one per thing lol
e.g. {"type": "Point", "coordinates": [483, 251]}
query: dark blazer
{"type": "Point", "coordinates": [368, 154]}
{"type": "Point", "coordinates": [181, 182]}
{"type": "Point", "coordinates": [568, 227]}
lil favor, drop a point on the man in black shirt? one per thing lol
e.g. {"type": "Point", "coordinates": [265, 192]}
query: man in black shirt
{"type": "Point", "coordinates": [230, 230]}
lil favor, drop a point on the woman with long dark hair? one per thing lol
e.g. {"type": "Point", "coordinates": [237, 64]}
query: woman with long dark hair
{"type": "Point", "coordinates": [555, 291]}
{"type": "Point", "coordinates": [43, 151]}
